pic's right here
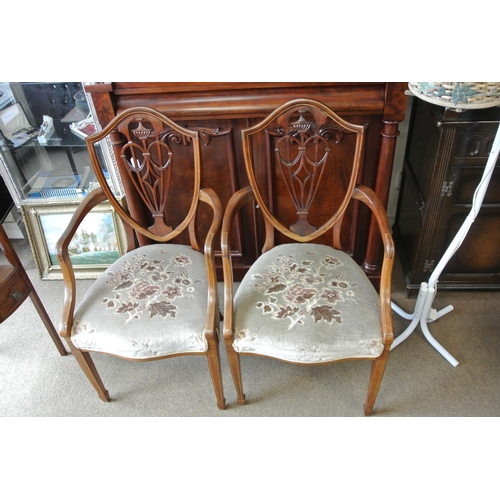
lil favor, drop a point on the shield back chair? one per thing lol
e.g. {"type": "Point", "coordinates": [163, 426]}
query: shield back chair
{"type": "Point", "coordinates": [305, 300]}
{"type": "Point", "coordinates": [159, 299]}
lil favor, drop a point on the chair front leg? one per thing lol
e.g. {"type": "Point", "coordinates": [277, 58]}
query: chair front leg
{"type": "Point", "coordinates": [214, 365]}
{"type": "Point", "coordinates": [87, 365]}
{"type": "Point", "coordinates": [377, 372]}
{"type": "Point", "coordinates": [234, 363]}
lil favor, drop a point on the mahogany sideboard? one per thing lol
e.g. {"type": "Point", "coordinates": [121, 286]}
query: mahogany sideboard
{"type": "Point", "coordinates": [221, 110]}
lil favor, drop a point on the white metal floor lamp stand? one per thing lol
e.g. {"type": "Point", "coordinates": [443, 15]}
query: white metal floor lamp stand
{"type": "Point", "coordinates": [424, 313]}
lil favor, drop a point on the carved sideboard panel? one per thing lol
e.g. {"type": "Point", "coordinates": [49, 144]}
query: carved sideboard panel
{"type": "Point", "coordinates": [219, 111]}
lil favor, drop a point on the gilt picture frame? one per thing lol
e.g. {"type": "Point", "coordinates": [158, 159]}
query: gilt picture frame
{"type": "Point", "coordinates": [99, 241]}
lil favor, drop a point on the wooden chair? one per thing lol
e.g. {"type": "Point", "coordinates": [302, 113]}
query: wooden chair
{"type": "Point", "coordinates": [159, 299]}
{"type": "Point", "coordinates": [16, 287]}
{"type": "Point", "coordinates": [305, 300]}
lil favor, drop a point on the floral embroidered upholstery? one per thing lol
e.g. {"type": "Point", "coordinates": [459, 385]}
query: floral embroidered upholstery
{"type": "Point", "coordinates": [303, 303]}
{"type": "Point", "coordinates": [156, 284]}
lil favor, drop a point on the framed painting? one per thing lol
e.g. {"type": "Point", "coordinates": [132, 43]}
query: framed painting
{"type": "Point", "coordinates": [98, 242]}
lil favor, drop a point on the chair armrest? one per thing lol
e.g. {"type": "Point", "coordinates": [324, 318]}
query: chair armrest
{"type": "Point", "coordinates": [367, 196]}
{"type": "Point", "coordinates": [235, 203]}
{"type": "Point", "coordinates": [210, 197]}
{"type": "Point", "coordinates": [89, 202]}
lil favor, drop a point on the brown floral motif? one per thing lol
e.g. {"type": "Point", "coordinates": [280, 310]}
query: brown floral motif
{"type": "Point", "coordinates": [299, 294]}
{"type": "Point", "coordinates": [149, 286]}
{"type": "Point", "coordinates": [332, 295]}
{"type": "Point", "coordinates": [171, 292]}
{"type": "Point", "coordinates": [143, 290]}
{"type": "Point", "coordinates": [297, 289]}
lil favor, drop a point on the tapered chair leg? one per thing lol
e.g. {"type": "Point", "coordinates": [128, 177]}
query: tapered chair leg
{"type": "Point", "coordinates": [37, 303]}
{"type": "Point", "coordinates": [377, 372]}
{"type": "Point", "coordinates": [234, 364]}
{"type": "Point", "coordinates": [87, 365]}
{"type": "Point", "coordinates": [214, 366]}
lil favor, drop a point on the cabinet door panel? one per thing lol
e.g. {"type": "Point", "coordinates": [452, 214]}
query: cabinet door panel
{"type": "Point", "coordinates": [479, 253]}
{"type": "Point", "coordinates": [466, 182]}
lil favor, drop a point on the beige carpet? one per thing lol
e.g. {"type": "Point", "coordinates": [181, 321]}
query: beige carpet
{"type": "Point", "coordinates": [36, 381]}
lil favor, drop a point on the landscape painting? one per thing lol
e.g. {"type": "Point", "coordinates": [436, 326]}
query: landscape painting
{"type": "Point", "coordinates": [95, 242]}
{"type": "Point", "coordinates": [98, 242]}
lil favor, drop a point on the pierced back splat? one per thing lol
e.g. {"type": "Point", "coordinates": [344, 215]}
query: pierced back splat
{"type": "Point", "coordinates": [147, 147]}
{"type": "Point", "coordinates": [307, 172]}
{"type": "Point", "coordinates": [150, 164]}
{"type": "Point", "coordinates": [301, 154]}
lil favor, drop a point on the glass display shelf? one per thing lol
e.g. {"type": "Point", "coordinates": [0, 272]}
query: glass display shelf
{"type": "Point", "coordinates": [47, 170]}
{"type": "Point", "coordinates": [43, 155]}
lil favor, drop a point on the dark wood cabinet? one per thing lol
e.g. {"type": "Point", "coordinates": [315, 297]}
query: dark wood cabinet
{"type": "Point", "coordinates": [445, 156]}
{"type": "Point", "coordinates": [221, 110]}
{"type": "Point", "coordinates": [16, 287]}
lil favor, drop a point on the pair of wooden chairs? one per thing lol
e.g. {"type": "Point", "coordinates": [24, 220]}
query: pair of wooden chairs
{"type": "Point", "coordinates": [303, 301]}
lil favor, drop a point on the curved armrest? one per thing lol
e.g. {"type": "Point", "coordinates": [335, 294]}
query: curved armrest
{"type": "Point", "coordinates": [90, 201]}
{"type": "Point", "coordinates": [210, 197]}
{"type": "Point", "coordinates": [238, 199]}
{"type": "Point", "coordinates": [369, 198]}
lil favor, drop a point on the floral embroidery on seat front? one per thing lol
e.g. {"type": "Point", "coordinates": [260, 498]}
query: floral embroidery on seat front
{"type": "Point", "coordinates": [83, 327]}
{"type": "Point", "coordinates": [297, 290]}
{"type": "Point", "coordinates": [149, 286]}
{"type": "Point", "coordinates": [143, 348]}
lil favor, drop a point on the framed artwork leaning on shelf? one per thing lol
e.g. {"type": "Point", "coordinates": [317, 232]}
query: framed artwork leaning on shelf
{"type": "Point", "coordinates": [99, 241]}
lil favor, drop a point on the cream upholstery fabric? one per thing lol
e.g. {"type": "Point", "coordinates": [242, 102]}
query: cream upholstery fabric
{"type": "Point", "coordinates": [307, 303]}
{"type": "Point", "coordinates": [149, 303]}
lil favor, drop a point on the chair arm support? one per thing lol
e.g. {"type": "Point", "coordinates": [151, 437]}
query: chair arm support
{"type": "Point", "coordinates": [90, 201]}
{"type": "Point", "coordinates": [235, 203]}
{"type": "Point", "coordinates": [209, 196]}
{"type": "Point", "coordinates": [367, 196]}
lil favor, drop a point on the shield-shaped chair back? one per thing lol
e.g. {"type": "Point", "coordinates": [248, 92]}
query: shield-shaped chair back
{"type": "Point", "coordinates": [159, 166]}
{"type": "Point", "coordinates": [313, 165]}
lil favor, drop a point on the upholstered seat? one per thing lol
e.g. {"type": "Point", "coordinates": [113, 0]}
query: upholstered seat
{"type": "Point", "coordinates": [150, 303]}
{"type": "Point", "coordinates": [306, 299]}
{"type": "Point", "coordinates": [302, 303]}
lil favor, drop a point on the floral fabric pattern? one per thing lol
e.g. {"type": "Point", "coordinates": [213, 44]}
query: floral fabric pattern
{"type": "Point", "coordinates": [299, 291]}
{"type": "Point", "coordinates": [151, 302]}
{"type": "Point", "coordinates": [307, 303]}
{"type": "Point", "coordinates": [143, 285]}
